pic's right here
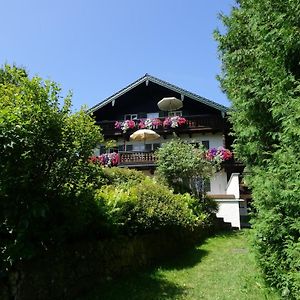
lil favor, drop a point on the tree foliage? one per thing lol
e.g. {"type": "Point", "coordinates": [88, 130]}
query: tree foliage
{"type": "Point", "coordinates": [183, 166]}
{"type": "Point", "coordinates": [46, 181]}
{"type": "Point", "coordinates": [260, 53]}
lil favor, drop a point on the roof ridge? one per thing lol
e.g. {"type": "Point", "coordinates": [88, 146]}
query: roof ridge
{"type": "Point", "coordinates": [166, 84]}
{"type": "Point", "coordinates": [188, 92]}
{"type": "Point", "coordinates": [93, 108]}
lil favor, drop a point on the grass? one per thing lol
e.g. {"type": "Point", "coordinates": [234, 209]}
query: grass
{"type": "Point", "coordinates": [222, 268]}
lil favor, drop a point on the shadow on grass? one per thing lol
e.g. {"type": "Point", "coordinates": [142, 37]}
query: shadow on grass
{"type": "Point", "coordinates": [148, 284]}
{"type": "Point", "coordinates": [142, 286]}
{"type": "Point", "coordinates": [188, 259]}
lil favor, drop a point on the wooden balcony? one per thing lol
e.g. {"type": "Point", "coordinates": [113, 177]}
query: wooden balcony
{"type": "Point", "coordinates": [197, 123]}
{"type": "Point", "coordinates": [148, 159]}
{"type": "Point", "coordinates": [136, 159]}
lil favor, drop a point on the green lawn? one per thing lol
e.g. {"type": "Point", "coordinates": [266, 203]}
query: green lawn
{"type": "Point", "coordinates": [221, 268]}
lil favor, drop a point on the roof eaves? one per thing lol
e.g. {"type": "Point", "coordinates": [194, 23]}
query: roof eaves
{"type": "Point", "coordinates": [118, 94]}
{"type": "Point", "coordinates": [162, 83]}
{"type": "Point", "coordinates": [188, 94]}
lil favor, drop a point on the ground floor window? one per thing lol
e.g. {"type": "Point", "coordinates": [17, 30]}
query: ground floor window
{"type": "Point", "coordinates": [207, 186]}
{"type": "Point", "coordinates": [205, 144]}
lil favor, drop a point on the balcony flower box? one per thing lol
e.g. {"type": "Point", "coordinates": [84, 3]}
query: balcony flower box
{"type": "Point", "coordinates": [174, 122]}
{"type": "Point", "coordinates": [124, 126]}
{"type": "Point", "coordinates": [106, 159]}
{"type": "Point", "coordinates": [150, 123]}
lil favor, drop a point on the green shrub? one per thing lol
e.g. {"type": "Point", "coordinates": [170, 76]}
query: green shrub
{"type": "Point", "coordinates": [182, 166]}
{"type": "Point", "coordinates": [46, 182]}
{"type": "Point", "coordinates": [118, 176]}
{"type": "Point", "coordinates": [149, 206]}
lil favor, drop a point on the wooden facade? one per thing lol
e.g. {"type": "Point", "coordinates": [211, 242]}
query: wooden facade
{"type": "Point", "coordinates": [138, 101]}
{"type": "Point", "coordinates": [205, 122]}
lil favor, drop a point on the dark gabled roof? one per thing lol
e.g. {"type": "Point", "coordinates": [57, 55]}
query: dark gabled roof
{"type": "Point", "coordinates": [163, 83]}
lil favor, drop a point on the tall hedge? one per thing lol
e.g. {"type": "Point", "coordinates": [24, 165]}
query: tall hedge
{"type": "Point", "coordinates": [260, 53]}
{"type": "Point", "coordinates": [46, 182]}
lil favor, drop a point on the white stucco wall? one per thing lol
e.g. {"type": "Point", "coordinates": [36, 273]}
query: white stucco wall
{"type": "Point", "coordinates": [229, 210]}
{"type": "Point", "coordinates": [218, 183]}
{"type": "Point", "coordinates": [233, 186]}
{"type": "Point", "coordinates": [215, 140]}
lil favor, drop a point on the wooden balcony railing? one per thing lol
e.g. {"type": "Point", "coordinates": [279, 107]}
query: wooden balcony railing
{"type": "Point", "coordinates": [194, 123]}
{"type": "Point", "coordinates": [135, 158]}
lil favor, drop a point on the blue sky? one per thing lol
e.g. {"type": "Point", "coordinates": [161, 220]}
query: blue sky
{"type": "Point", "coordinates": [95, 48]}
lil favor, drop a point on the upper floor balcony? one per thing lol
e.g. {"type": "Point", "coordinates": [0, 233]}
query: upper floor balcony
{"type": "Point", "coordinates": [137, 158]}
{"type": "Point", "coordinates": [194, 123]}
{"type": "Point", "coordinates": [141, 159]}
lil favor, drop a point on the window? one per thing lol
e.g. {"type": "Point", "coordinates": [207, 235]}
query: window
{"type": "Point", "coordinates": [130, 117]}
{"type": "Point", "coordinates": [152, 115]}
{"type": "Point", "coordinates": [205, 144]}
{"type": "Point", "coordinates": [155, 146]}
{"type": "Point", "coordinates": [152, 147]}
{"type": "Point", "coordinates": [202, 185]}
{"type": "Point", "coordinates": [121, 148]}
{"type": "Point", "coordinates": [177, 113]}
{"type": "Point", "coordinates": [207, 187]}
{"type": "Point", "coordinates": [196, 145]}
{"type": "Point", "coordinates": [102, 149]}
{"type": "Point", "coordinates": [138, 147]}
{"type": "Point", "coordinates": [128, 147]}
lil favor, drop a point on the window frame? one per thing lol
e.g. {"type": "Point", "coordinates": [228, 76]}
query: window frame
{"type": "Point", "coordinates": [175, 113]}
{"type": "Point", "coordinates": [131, 117]}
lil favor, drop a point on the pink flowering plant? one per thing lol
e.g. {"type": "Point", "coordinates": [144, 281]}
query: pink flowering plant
{"type": "Point", "coordinates": [169, 122]}
{"type": "Point", "coordinates": [124, 126]}
{"type": "Point", "coordinates": [150, 123]}
{"type": "Point", "coordinates": [118, 125]}
{"type": "Point", "coordinates": [106, 159]}
{"type": "Point", "coordinates": [218, 154]}
{"type": "Point", "coordinates": [156, 123]}
{"type": "Point", "coordinates": [174, 122]}
{"type": "Point", "coordinates": [142, 124]}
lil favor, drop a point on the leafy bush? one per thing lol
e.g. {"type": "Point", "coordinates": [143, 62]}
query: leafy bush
{"type": "Point", "coordinates": [183, 166]}
{"type": "Point", "coordinates": [149, 206]}
{"type": "Point", "coordinates": [46, 182]}
{"type": "Point", "coordinates": [260, 52]}
{"type": "Point", "coordinates": [118, 176]}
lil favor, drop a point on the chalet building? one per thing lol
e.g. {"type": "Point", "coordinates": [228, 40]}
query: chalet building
{"type": "Point", "coordinates": [197, 120]}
